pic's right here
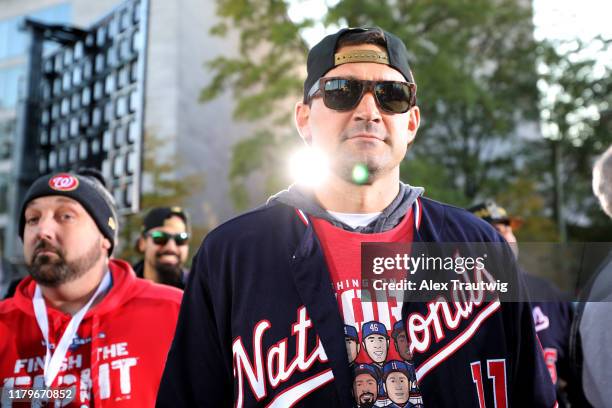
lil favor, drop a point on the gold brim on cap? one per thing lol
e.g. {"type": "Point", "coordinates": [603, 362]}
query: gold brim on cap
{"type": "Point", "coordinates": [379, 57]}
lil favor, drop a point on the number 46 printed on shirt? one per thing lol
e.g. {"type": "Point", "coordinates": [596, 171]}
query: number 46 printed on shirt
{"type": "Point", "coordinates": [496, 372]}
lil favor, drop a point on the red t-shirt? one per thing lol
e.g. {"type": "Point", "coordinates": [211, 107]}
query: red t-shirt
{"type": "Point", "coordinates": [342, 250]}
{"type": "Point", "coordinates": [376, 340]}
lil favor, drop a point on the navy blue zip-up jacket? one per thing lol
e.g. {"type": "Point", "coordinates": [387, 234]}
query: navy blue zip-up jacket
{"type": "Point", "coordinates": [259, 325]}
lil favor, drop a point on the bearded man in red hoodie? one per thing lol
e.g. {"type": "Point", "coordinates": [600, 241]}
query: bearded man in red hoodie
{"type": "Point", "coordinates": [76, 333]}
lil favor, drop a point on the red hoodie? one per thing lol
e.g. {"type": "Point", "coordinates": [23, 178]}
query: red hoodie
{"type": "Point", "coordinates": [117, 357]}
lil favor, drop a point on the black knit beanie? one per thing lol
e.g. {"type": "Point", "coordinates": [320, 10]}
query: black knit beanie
{"type": "Point", "coordinates": [88, 188]}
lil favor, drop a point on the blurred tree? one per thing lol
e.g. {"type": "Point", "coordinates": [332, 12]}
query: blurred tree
{"type": "Point", "coordinates": [576, 111]}
{"type": "Point", "coordinates": [162, 189]}
{"type": "Point", "coordinates": [425, 172]}
{"type": "Point", "coordinates": [265, 79]}
{"type": "Point", "coordinates": [522, 199]}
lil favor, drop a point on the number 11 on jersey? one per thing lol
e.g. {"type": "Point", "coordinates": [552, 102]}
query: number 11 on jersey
{"type": "Point", "coordinates": [496, 371]}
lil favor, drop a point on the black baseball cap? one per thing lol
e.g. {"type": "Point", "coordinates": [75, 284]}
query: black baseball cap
{"type": "Point", "coordinates": [158, 215]}
{"type": "Point", "coordinates": [323, 57]}
{"type": "Point", "coordinates": [493, 213]}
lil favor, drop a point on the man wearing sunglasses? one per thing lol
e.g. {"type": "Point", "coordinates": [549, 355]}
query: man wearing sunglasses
{"type": "Point", "coordinates": [270, 291]}
{"type": "Point", "coordinates": [164, 243]}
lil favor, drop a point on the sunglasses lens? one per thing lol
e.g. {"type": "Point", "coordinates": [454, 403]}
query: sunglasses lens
{"type": "Point", "coordinates": [159, 237]}
{"type": "Point", "coordinates": [394, 97]}
{"type": "Point", "coordinates": [181, 239]}
{"type": "Point", "coordinates": [162, 238]}
{"type": "Point", "coordinates": [342, 94]}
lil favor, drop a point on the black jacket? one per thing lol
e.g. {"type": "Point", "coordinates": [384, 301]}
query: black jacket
{"type": "Point", "coordinates": [259, 325]}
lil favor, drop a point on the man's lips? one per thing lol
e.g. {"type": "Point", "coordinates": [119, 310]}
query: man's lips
{"type": "Point", "coordinates": [168, 256]}
{"type": "Point", "coordinates": [366, 397]}
{"type": "Point", "coordinates": [369, 136]}
{"type": "Point", "coordinates": [45, 252]}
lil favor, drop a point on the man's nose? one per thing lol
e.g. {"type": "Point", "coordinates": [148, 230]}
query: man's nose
{"type": "Point", "coordinates": [367, 109]}
{"type": "Point", "coordinates": [45, 228]}
{"type": "Point", "coordinates": [171, 244]}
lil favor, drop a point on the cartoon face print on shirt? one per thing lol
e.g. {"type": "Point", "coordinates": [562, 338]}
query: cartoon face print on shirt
{"type": "Point", "coordinates": [396, 377]}
{"type": "Point", "coordinates": [352, 342]}
{"type": "Point", "coordinates": [400, 340]}
{"type": "Point", "coordinates": [375, 341]}
{"type": "Point", "coordinates": [365, 385]}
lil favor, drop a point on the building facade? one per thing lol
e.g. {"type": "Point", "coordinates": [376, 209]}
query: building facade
{"type": "Point", "coordinates": [196, 138]}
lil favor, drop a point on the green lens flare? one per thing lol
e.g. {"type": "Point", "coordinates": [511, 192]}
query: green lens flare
{"type": "Point", "coordinates": [360, 174]}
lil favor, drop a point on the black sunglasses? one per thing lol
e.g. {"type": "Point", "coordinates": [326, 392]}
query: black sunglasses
{"type": "Point", "coordinates": [344, 94]}
{"type": "Point", "coordinates": [162, 238]}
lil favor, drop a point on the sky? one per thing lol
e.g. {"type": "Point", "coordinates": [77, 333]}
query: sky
{"type": "Point", "coordinates": [555, 19]}
{"type": "Point", "coordinates": [567, 19]}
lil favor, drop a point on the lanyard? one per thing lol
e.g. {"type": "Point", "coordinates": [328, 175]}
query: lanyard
{"type": "Point", "coordinates": [53, 362]}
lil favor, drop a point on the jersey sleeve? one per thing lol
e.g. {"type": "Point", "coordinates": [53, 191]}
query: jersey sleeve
{"type": "Point", "coordinates": [197, 372]}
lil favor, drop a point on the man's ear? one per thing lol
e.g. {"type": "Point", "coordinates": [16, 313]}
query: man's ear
{"type": "Point", "coordinates": [140, 245]}
{"type": "Point", "coordinates": [106, 244]}
{"type": "Point", "coordinates": [302, 114]}
{"type": "Point", "coordinates": [413, 123]}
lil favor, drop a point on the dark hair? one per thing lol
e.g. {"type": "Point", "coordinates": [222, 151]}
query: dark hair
{"type": "Point", "coordinates": [374, 36]}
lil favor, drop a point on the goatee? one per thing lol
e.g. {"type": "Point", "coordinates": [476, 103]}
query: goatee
{"type": "Point", "coordinates": [53, 271]}
{"type": "Point", "coordinates": [169, 274]}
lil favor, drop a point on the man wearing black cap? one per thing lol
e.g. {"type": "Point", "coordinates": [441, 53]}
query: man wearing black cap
{"type": "Point", "coordinates": [271, 290]}
{"type": "Point", "coordinates": [164, 244]}
{"type": "Point", "coordinates": [76, 323]}
{"type": "Point", "coordinates": [552, 314]}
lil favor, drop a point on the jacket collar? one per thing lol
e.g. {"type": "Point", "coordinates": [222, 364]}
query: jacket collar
{"type": "Point", "coordinates": [122, 289]}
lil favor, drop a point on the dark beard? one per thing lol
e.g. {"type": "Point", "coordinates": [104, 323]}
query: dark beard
{"type": "Point", "coordinates": [169, 274]}
{"type": "Point", "coordinates": [53, 272]}
{"type": "Point", "coordinates": [369, 404]}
